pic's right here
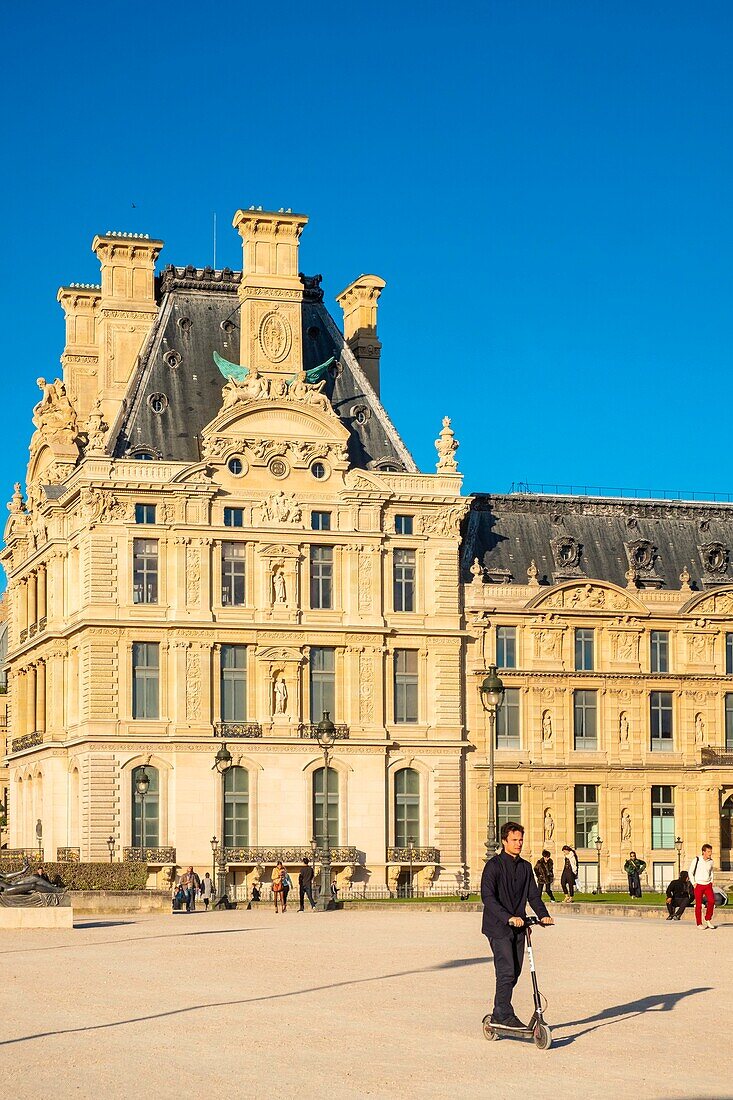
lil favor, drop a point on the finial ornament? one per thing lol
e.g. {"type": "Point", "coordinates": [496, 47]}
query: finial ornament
{"type": "Point", "coordinates": [532, 574]}
{"type": "Point", "coordinates": [446, 445]}
{"type": "Point", "coordinates": [15, 504]}
{"type": "Point", "coordinates": [477, 572]}
{"type": "Point", "coordinates": [631, 577]}
{"type": "Point", "coordinates": [685, 580]}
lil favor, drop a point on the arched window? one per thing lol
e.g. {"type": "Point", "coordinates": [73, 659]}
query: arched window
{"type": "Point", "coordinates": [320, 801]}
{"type": "Point", "coordinates": [236, 808]}
{"type": "Point", "coordinates": [406, 807]}
{"type": "Point", "coordinates": [146, 810]}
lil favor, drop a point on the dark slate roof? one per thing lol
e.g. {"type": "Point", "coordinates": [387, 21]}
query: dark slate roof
{"type": "Point", "coordinates": [599, 538]}
{"type": "Point", "coordinates": [199, 314]}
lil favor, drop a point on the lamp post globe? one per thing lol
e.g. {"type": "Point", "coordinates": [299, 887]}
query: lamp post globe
{"type": "Point", "coordinates": [491, 692]}
{"type": "Point", "coordinates": [678, 846]}
{"type": "Point", "coordinates": [325, 735]}
{"type": "Point", "coordinates": [111, 847]}
{"type": "Point", "coordinates": [222, 763]}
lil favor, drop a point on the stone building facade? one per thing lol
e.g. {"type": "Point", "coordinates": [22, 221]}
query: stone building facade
{"type": "Point", "coordinates": [222, 536]}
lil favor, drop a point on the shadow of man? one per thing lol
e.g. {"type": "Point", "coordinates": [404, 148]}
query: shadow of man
{"type": "Point", "coordinates": [657, 1002]}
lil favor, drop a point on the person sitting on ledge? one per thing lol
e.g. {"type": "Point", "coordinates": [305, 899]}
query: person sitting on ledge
{"type": "Point", "coordinates": [679, 896]}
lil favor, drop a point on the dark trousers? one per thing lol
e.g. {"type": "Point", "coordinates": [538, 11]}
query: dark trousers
{"type": "Point", "coordinates": [307, 891]}
{"type": "Point", "coordinates": [676, 906]}
{"type": "Point", "coordinates": [285, 892]}
{"type": "Point", "coordinates": [546, 887]}
{"type": "Point", "coordinates": [508, 952]}
{"type": "Point", "coordinates": [568, 884]}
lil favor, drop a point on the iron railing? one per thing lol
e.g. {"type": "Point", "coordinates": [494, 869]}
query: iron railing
{"type": "Point", "coordinates": [413, 855]}
{"type": "Point", "coordinates": [156, 856]}
{"type": "Point", "coordinates": [68, 855]}
{"type": "Point", "coordinates": [27, 741]}
{"type": "Point", "coordinates": [716, 757]}
{"type": "Point", "coordinates": [296, 854]}
{"type": "Point", "coordinates": [237, 729]}
{"type": "Point", "coordinates": [310, 730]}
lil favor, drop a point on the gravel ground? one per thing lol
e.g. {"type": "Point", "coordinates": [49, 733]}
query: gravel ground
{"type": "Point", "coordinates": [358, 1004]}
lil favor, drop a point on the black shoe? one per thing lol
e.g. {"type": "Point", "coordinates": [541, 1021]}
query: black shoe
{"type": "Point", "coordinates": [677, 918]}
{"type": "Point", "coordinates": [670, 917]}
{"type": "Point", "coordinates": [512, 1022]}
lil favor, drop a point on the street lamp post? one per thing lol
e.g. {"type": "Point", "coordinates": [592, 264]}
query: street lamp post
{"type": "Point", "coordinates": [492, 695]}
{"type": "Point", "coordinates": [214, 846]}
{"type": "Point", "coordinates": [111, 846]}
{"type": "Point", "coordinates": [599, 845]}
{"type": "Point", "coordinates": [39, 837]}
{"type": "Point", "coordinates": [678, 846]}
{"type": "Point", "coordinates": [411, 843]}
{"type": "Point", "coordinates": [142, 785]}
{"type": "Point", "coordinates": [222, 764]}
{"type": "Point", "coordinates": [326, 734]}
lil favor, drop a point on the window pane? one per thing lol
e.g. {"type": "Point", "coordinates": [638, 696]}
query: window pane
{"type": "Point", "coordinates": [660, 651]}
{"type": "Point", "coordinates": [506, 647]}
{"type": "Point", "coordinates": [403, 525]}
{"type": "Point", "coordinates": [144, 513]}
{"type": "Point", "coordinates": [145, 680]}
{"type": "Point", "coordinates": [320, 521]}
{"type": "Point", "coordinates": [233, 517]}
{"type": "Point", "coordinates": [584, 649]}
{"type": "Point", "coordinates": [660, 705]}
{"type": "Point", "coordinates": [405, 685]}
{"type": "Point", "coordinates": [146, 810]}
{"type": "Point", "coordinates": [586, 815]}
{"type": "Point", "coordinates": [233, 683]}
{"type": "Point", "coordinates": [729, 723]}
{"type": "Point", "coordinates": [507, 721]}
{"type": "Point", "coordinates": [404, 580]}
{"type": "Point", "coordinates": [232, 573]}
{"type": "Point", "coordinates": [236, 807]}
{"type": "Point", "coordinates": [663, 830]}
{"type": "Point", "coordinates": [321, 577]}
{"type": "Point", "coordinates": [508, 804]}
{"type": "Point", "coordinates": [585, 720]}
{"type": "Point", "coordinates": [145, 571]}
{"type": "Point", "coordinates": [407, 807]}
{"type": "Point", "coordinates": [322, 682]}
{"type": "Point", "coordinates": [319, 830]}
{"type": "Point", "coordinates": [729, 654]}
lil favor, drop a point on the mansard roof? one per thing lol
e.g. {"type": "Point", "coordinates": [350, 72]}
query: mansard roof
{"type": "Point", "coordinates": [599, 538]}
{"type": "Point", "coordinates": [199, 314]}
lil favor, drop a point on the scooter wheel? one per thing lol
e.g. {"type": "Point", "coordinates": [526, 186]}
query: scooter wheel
{"type": "Point", "coordinates": [489, 1032]}
{"type": "Point", "coordinates": [542, 1037]}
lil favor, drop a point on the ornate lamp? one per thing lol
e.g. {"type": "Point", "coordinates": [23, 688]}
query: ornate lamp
{"type": "Point", "coordinates": [491, 692]}
{"type": "Point", "coordinates": [222, 763]}
{"type": "Point", "coordinates": [111, 846]}
{"type": "Point", "coordinates": [326, 735]}
{"type": "Point", "coordinates": [678, 846]}
{"type": "Point", "coordinates": [599, 845]}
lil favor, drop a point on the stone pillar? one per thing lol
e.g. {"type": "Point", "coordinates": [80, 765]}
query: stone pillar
{"type": "Point", "coordinates": [32, 580]}
{"type": "Point", "coordinates": [41, 592]}
{"type": "Point", "coordinates": [21, 597]}
{"type": "Point", "coordinates": [359, 303]}
{"type": "Point", "coordinates": [30, 700]}
{"type": "Point", "coordinates": [41, 697]}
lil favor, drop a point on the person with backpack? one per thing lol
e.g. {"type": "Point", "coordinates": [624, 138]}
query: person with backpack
{"type": "Point", "coordinates": [634, 869]}
{"type": "Point", "coordinates": [286, 883]}
{"type": "Point", "coordinates": [701, 877]}
{"type": "Point", "coordinates": [545, 874]}
{"type": "Point", "coordinates": [569, 875]}
{"type": "Point", "coordinates": [679, 896]}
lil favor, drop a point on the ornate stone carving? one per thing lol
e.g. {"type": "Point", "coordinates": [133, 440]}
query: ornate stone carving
{"type": "Point", "coordinates": [426, 875]}
{"type": "Point", "coordinates": [445, 522]}
{"type": "Point", "coordinates": [366, 574]}
{"type": "Point", "coordinates": [699, 649]}
{"type": "Point", "coordinates": [699, 729]}
{"type": "Point", "coordinates": [625, 646]}
{"type": "Point", "coordinates": [547, 644]}
{"type": "Point", "coordinates": [532, 574]}
{"type": "Point", "coordinates": [718, 603]}
{"type": "Point", "coordinates": [623, 727]}
{"type": "Point", "coordinates": [546, 727]}
{"type": "Point", "coordinates": [446, 445]}
{"type": "Point", "coordinates": [567, 552]}
{"type": "Point", "coordinates": [96, 430]}
{"type": "Point", "coordinates": [714, 557]}
{"type": "Point", "coordinates": [625, 826]}
{"type": "Point", "coordinates": [477, 572]}
{"type": "Point", "coordinates": [193, 684]}
{"type": "Point", "coordinates": [366, 688]}
{"type": "Point", "coordinates": [548, 826]}
{"type": "Point", "coordinates": [279, 694]}
{"type": "Point", "coordinates": [279, 593]}
{"type": "Point", "coordinates": [275, 336]}
{"type": "Point", "coordinates": [393, 877]}
{"type": "Point", "coordinates": [685, 581]}
{"type": "Point", "coordinates": [54, 415]}
{"type": "Point", "coordinates": [589, 597]}
{"type": "Point", "coordinates": [193, 575]}
{"type": "Point", "coordinates": [280, 508]}
{"type": "Point", "coordinates": [344, 877]}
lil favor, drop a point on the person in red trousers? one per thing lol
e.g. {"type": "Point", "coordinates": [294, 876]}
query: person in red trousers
{"type": "Point", "coordinates": [701, 877]}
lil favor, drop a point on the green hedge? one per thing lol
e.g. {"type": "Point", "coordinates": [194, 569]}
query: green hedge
{"type": "Point", "coordinates": [87, 876]}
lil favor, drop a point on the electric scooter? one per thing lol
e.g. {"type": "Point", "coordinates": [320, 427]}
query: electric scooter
{"type": "Point", "coordinates": [536, 1029]}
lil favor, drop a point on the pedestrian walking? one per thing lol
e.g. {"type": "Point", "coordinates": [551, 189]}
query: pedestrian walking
{"type": "Point", "coordinates": [286, 882]}
{"type": "Point", "coordinates": [191, 886]}
{"type": "Point", "coordinates": [545, 873]}
{"type": "Point", "coordinates": [634, 868]}
{"type": "Point", "coordinates": [701, 877]}
{"type": "Point", "coordinates": [679, 896]}
{"type": "Point", "coordinates": [207, 890]}
{"type": "Point", "coordinates": [305, 884]}
{"type": "Point", "coordinates": [569, 875]}
{"type": "Point", "coordinates": [507, 885]}
{"type": "Point", "coordinates": [277, 884]}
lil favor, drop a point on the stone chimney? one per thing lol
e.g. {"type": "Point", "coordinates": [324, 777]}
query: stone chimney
{"type": "Point", "coordinates": [359, 303]}
{"type": "Point", "coordinates": [126, 311]}
{"type": "Point", "coordinates": [80, 360]}
{"type": "Point", "coordinates": [271, 291]}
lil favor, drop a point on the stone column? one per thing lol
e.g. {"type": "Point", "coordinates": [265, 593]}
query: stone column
{"type": "Point", "coordinates": [30, 700]}
{"type": "Point", "coordinates": [21, 597]}
{"type": "Point", "coordinates": [31, 599]}
{"type": "Point", "coordinates": [41, 697]}
{"type": "Point", "coordinates": [41, 592]}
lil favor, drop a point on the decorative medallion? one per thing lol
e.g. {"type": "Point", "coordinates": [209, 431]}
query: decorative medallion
{"type": "Point", "coordinates": [279, 468]}
{"type": "Point", "coordinates": [275, 337]}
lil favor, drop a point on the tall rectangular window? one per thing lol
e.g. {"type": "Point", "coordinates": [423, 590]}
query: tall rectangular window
{"type": "Point", "coordinates": [663, 817]}
{"type": "Point", "coordinates": [144, 513]}
{"type": "Point", "coordinates": [506, 647]}
{"type": "Point", "coordinates": [584, 649]}
{"type": "Point", "coordinates": [729, 722]}
{"type": "Point", "coordinates": [145, 571]}
{"type": "Point", "coordinates": [729, 654]}
{"type": "Point", "coordinates": [403, 525]}
{"type": "Point", "coordinates": [233, 683]}
{"type": "Point", "coordinates": [585, 721]}
{"type": "Point", "coordinates": [145, 679]}
{"type": "Point", "coordinates": [586, 815]}
{"type": "Point", "coordinates": [234, 517]}
{"type": "Point", "coordinates": [508, 804]}
{"type": "Point", "coordinates": [660, 715]}
{"type": "Point", "coordinates": [321, 577]}
{"type": "Point", "coordinates": [659, 655]}
{"type": "Point", "coordinates": [507, 720]}
{"type": "Point", "coordinates": [322, 682]}
{"type": "Point", "coordinates": [320, 521]}
{"type": "Point", "coordinates": [404, 580]}
{"type": "Point", "coordinates": [405, 685]}
{"type": "Point", "coordinates": [232, 574]}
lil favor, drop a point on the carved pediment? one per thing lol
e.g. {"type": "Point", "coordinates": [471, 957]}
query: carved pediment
{"type": "Point", "coordinates": [719, 603]}
{"type": "Point", "coordinates": [279, 655]}
{"type": "Point", "coordinates": [287, 433]}
{"type": "Point", "coordinates": [593, 596]}
{"type": "Point", "coordinates": [275, 550]}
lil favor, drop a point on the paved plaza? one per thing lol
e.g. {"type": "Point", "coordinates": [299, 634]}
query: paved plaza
{"type": "Point", "coordinates": [368, 1003]}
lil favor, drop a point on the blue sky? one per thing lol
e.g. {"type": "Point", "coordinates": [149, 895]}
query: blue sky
{"type": "Point", "coordinates": [544, 186]}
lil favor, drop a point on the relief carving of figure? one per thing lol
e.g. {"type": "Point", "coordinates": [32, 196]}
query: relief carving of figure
{"type": "Point", "coordinates": [281, 508]}
{"type": "Point", "coordinates": [280, 693]}
{"type": "Point", "coordinates": [343, 878]}
{"type": "Point", "coordinates": [546, 727]}
{"type": "Point", "coordinates": [699, 729]}
{"type": "Point", "coordinates": [278, 586]}
{"type": "Point", "coordinates": [232, 393]}
{"type": "Point", "coordinates": [549, 826]}
{"type": "Point", "coordinates": [446, 445]}
{"type": "Point", "coordinates": [547, 642]}
{"type": "Point", "coordinates": [393, 877]}
{"type": "Point", "coordinates": [625, 826]}
{"type": "Point", "coordinates": [255, 386]}
{"type": "Point", "coordinates": [623, 726]}
{"type": "Point", "coordinates": [96, 429]}
{"type": "Point", "coordinates": [300, 390]}
{"type": "Point", "coordinates": [54, 415]}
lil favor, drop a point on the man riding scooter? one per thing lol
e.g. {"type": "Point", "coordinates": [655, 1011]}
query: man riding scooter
{"type": "Point", "coordinates": [507, 884]}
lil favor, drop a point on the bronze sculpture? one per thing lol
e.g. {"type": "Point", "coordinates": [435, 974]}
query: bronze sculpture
{"type": "Point", "coordinates": [22, 888]}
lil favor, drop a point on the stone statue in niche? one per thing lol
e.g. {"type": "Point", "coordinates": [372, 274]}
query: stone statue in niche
{"type": "Point", "coordinates": [280, 693]}
{"type": "Point", "coordinates": [546, 727]}
{"type": "Point", "coordinates": [549, 826]}
{"type": "Point", "coordinates": [623, 726]}
{"type": "Point", "coordinates": [699, 729]}
{"type": "Point", "coordinates": [278, 586]}
{"type": "Point", "coordinates": [625, 826]}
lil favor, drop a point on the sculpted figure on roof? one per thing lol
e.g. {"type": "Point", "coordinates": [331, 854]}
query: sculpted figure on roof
{"type": "Point", "coordinates": [54, 415]}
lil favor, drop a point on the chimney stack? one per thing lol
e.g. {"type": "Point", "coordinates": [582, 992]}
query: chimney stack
{"type": "Point", "coordinates": [359, 303]}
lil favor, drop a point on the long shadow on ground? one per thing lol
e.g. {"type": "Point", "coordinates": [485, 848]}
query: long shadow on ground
{"type": "Point", "coordinates": [657, 1002]}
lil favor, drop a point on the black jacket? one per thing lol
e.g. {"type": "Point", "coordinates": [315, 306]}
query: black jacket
{"type": "Point", "coordinates": [305, 878]}
{"type": "Point", "coordinates": [679, 889]}
{"type": "Point", "coordinates": [507, 884]}
{"type": "Point", "coordinates": [544, 871]}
